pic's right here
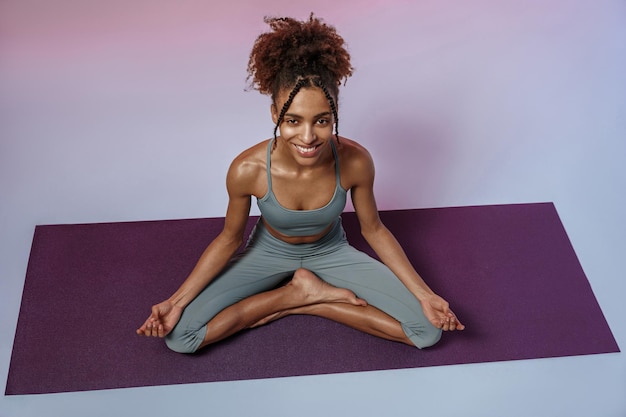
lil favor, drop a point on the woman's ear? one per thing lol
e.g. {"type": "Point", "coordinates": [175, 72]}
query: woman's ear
{"type": "Point", "coordinates": [274, 113]}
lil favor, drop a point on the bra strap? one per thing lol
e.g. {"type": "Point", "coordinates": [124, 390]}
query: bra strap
{"type": "Point", "coordinates": [268, 164]}
{"type": "Point", "coordinates": [336, 156]}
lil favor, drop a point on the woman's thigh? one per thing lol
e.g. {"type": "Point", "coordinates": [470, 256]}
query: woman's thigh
{"type": "Point", "coordinates": [369, 279]}
{"type": "Point", "coordinates": [251, 273]}
{"type": "Point", "coordinates": [373, 281]}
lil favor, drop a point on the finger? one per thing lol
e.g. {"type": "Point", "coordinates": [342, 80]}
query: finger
{"type": "Point", "coordinates": [452, 324]}
{"type": "Point", "coordinates": [458, 324]}
{"type": "Point", "coordinates": [155, 329]}
{"type": "Point", "coordinates": [161, 331]}
{"type": "Point", "coordinates": [142, 330]}
{"type": "Point", "coordinates": [445, 324]}
{"type": "Point", "coordinates": [149, 329]}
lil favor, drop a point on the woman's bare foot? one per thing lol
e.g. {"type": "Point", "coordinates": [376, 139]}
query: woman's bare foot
{"type": "Point", "coordinates": [313, 290]}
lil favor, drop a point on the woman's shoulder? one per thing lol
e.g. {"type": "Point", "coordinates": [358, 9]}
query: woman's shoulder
{"type": "Point", "coordinates": [247, 166]}
{"type": "Point", "coordinates": [353, 153]}
{"type": "Point", "coordinates": [357, 166]}
{"type": "Point", "coordinates": [253, 157]}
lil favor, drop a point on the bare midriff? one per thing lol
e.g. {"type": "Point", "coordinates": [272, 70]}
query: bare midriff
{"type": "Point", "coordinates": [294, 240]}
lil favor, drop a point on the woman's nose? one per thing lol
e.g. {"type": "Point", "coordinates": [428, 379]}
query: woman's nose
{"type": "Point", "coordinates": [308, 135]}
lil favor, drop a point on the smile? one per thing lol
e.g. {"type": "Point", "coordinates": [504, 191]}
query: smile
{"type": "Point", "coordinates": [305, 149]}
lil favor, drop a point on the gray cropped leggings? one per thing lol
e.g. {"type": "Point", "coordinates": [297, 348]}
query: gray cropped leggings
{"type": "Point", "coordinates": [267, 261]}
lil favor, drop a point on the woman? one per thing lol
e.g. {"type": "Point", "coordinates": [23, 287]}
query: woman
{"type": "Point", "coordinates": [300, 179]}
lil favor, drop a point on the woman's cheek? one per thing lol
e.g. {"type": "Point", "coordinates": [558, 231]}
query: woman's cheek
{"type": "Point", "coordinates": [287, 130]}
{"type": "Point", "coordinates": [326, 131]}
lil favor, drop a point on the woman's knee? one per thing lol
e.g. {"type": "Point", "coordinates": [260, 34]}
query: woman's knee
{"type": "Point", "coordinates": [431, 338]}
{"type": "Point", "coordinates": [186, 341]}
{"type": "Point", "coordinates": [422, 336]}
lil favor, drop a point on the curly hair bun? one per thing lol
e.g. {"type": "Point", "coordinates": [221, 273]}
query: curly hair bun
{"type": "Point", "coordinates": [295, 49]}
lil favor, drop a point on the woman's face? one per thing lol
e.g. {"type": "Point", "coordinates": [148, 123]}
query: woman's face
{"type": "Point", "coordinates": [307, 126]}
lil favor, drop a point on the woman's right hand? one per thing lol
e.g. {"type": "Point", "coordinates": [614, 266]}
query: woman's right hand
{"type": "Point", "coordinates": [164, 317]}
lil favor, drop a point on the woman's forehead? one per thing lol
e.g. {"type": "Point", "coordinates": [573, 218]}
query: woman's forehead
{"type": "Point", "coordinates": [307, 97]}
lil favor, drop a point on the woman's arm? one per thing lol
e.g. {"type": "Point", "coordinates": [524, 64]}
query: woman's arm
{"type": "Point", "coordinates": [387, 247]}
{"type": "Point", "coordinates": [166, 314]}
{"type": "Point", "coordinates": [217, 254]}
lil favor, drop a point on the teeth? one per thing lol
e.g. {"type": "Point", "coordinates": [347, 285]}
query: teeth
{"type": "Point", "coordinates": [305, 150]}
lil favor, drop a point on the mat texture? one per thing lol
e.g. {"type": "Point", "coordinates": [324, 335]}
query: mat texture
{"type": "Point", "coordinates": [509, 271]}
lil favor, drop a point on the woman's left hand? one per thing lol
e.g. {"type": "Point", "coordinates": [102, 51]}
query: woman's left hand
{"type": "Point", "coordinates": [437, 311]}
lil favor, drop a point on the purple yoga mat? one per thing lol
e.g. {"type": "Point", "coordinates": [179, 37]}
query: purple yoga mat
{"type": "Point", "coordinates": [509, 271]}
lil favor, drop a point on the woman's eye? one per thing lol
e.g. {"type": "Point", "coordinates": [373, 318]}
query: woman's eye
{"type": "Point", "coordinates": [291, 121]}
{"type": "Point", "coordinates": [322, 121]}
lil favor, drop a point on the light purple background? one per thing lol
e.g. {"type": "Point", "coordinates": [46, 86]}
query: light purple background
{"type": "Point", "coordinates": [132, 110]}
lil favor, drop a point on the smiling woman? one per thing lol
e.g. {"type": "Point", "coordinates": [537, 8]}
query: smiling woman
{"type": "Point", "coordinates": [300, 179]}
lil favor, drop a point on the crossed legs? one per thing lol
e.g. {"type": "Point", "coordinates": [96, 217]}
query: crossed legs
{"type": "Point", "coordinates": [304, 294]}
{"type": "Point", "coordinates": [347, 286]}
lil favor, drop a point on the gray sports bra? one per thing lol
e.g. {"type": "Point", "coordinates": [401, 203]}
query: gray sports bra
{"type": "Point", "coordinates": [301, 222]}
